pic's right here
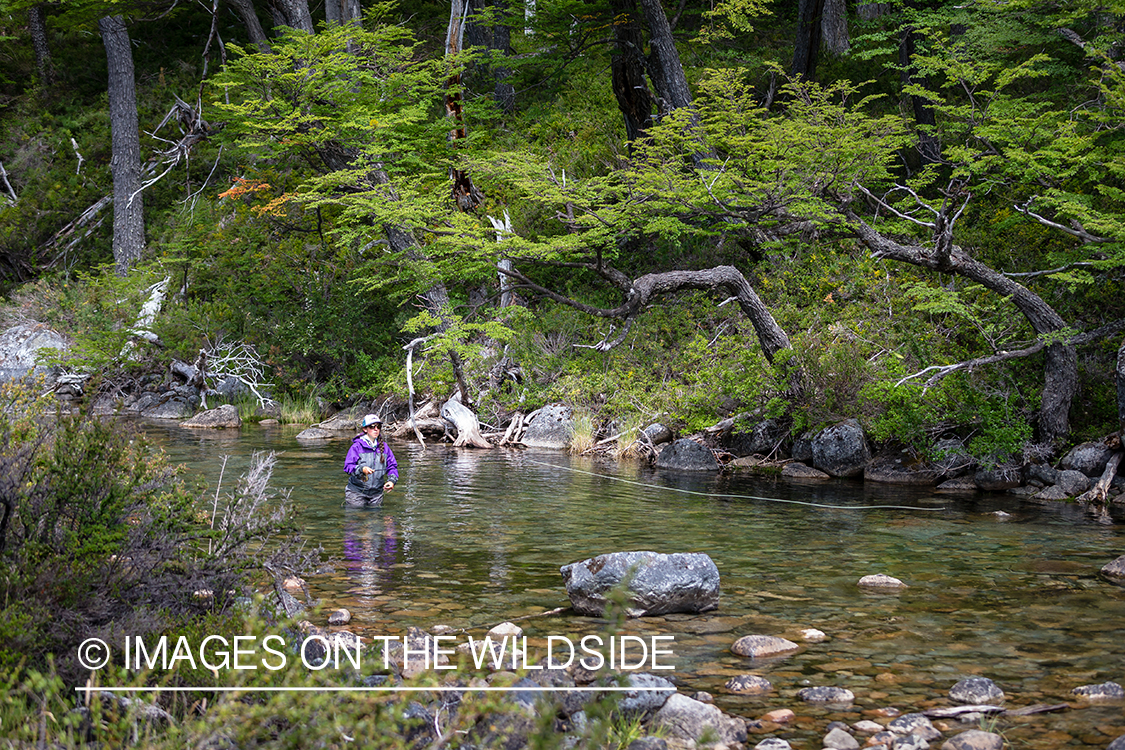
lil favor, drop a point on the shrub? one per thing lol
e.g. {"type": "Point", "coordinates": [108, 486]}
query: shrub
{"type": "Point", "coordinates": [99, 536]}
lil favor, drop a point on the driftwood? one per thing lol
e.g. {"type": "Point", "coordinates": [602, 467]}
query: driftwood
{"type": "Point", "coordinates": [1100, 491]}
{"type": "Point", "coordinates": [515, 430]}
{"type": "Point", "coordinates": [467, 424]}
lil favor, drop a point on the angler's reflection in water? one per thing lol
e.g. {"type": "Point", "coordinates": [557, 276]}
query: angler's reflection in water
{"type": "Point", "coordinates": [371, 548]}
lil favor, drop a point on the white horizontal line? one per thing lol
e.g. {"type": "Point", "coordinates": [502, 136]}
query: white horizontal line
{"type": "Point", "coordinates": [403, 689]}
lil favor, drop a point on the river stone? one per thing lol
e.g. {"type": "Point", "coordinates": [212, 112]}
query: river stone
{"type": "Point", "coordinates": [1103, 692]}
{"type": "Point", "coordinates": [551, 427]}
{"type": "Point", "coordinates": [1115, 568]}
{"type": "Point", "coordinates": [975, 690]}
{"type": "Point", "coordinates": [881, 581]}
{"type": "Point", "coordinates": [758, 646]}
{"type": "Point", "coordinates": [910, 742]}
{"type": "Point", "coordinates": [748, 684]}
{"type": "Point", "coordinates": [339, 617]}
{"type": "Point", "coordinates": [826, 695]}
{"type": "Point", "coordinates": [841, 450]}
{"type": "Point", "coordinates": [1088, 458]}
{"type": "Point", "coordinates": [19, 349]}
{"type": "Point", "coordinates": [689, 719]}
{"type": "Point", "coordinates": [1054, 492]}
{"type": "Point", "coordinates": [1117, 744]}
{"type": "Point", "coordinates": [687, 455]}
{"type": "Point", "coordinates": [317, 432]}
{"type": "Point", "coordinates": [773, 743]}
{"type": "Point", "coordinates": [656, 584]}
{"type": "Point", "coordinates": [648, 701]}
{"type": "Point", "coordinates": [974, 739]}
{"type": "Point", "coordinates": [916, 724]}
{"type": "Point", "coordinates": [224, 416]}
{"type": "Point", "coordinates": [899, 468]}
{"type": "Point", "coordinates": [800, 471]}
{"type": "Point", "coordinates": [505, 630]}
{"type": "Point", "coordinates": [838, 739]}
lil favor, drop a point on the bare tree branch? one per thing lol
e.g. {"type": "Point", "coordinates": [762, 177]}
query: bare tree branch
{"type": "Point", "coordinates": [940, 371]}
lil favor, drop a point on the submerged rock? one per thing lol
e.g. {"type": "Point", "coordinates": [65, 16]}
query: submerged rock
{"type": "Point", "coordinates": [974, 739]}
{"type": "Point", "coordinates": [748, 684]}
{"type": "Point", "coordinates": [1103, 692]}
{"type": "Point", "coordinates": [800, 471]}
{"type": "Point", "coordinates": [685, 718]}
{"type": "Point", "coordinates": [826, 695]}
{"type": "Point", "coordinates": [225, 416]}
{"type": "Point", "coordinates": [900, 468]}
{"type": "Point", "coordinates": [881, 581]}
{"type": "Point", "coordinates": [1115, 568]}
{"type": "Point", "coordinates": [655, 583]}
{"type": "Point", "coordinates": [758, 646]}
{"type": "Point", "coordinates": [974, 690]}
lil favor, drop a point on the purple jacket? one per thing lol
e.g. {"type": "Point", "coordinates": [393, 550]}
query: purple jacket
{"type": "Point", "coordinates": [382, 460]}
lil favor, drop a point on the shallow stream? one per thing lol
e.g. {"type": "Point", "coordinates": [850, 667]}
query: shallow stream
{"type": "Point", "coordinates": [473, 538]}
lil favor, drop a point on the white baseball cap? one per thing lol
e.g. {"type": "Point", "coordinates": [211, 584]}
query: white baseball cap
{"type": "Point", "coordinates": [370, 420]}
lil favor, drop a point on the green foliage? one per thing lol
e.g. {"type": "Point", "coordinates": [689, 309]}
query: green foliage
{"type": "Point", "coordinates": [98, 533]}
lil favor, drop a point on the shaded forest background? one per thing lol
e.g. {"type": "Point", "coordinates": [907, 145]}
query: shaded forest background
{"type": "Point", "coordinates": [671, 211]}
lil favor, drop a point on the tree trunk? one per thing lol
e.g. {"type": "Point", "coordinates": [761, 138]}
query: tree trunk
{"type": "Point", "coordinates": [1061, 368]}
{"type": "Point", "coordinates": [125, 164]}
{"type": "Point", "coordinates": [929, 148]}
{"type": "Point", "coordinates": [245, 11]}
{"type": "Point", "coordinates": [342, 11]}
{"type": "Point", "coordinates": [497, 39]}
{"type": "Point", "coordinates": [37, 24]}
{"type": "Point", "coordinates": [834, 27]}
{"type": "Point", "coordinates": [806, 49]}
{"type": "Point", "coordinates": [468, 427]}
{"type": "Point", "coordinates": [871, 11]}
{"type": "Point", "coordinates": [664, 61]}
{"type": "Point", "coordinates": [293, 13]}
{"type": "Point", "coordinates": [628, 70]}
{"type": "Point", "coordinates": [1120, 377]}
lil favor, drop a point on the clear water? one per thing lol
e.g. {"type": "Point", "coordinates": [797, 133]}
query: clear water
{"type": "Point", "coordinates": [473, 538]}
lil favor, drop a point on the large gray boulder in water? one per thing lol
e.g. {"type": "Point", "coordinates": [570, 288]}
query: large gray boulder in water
{"type": "Point", "coordinates": [655, 583]}
{"type": "Point", "coordinates": [687, 455]}
{"type": "Point", "coordinates": [841, 450]}
{"type": "Point", "coordinates": [550, 427]}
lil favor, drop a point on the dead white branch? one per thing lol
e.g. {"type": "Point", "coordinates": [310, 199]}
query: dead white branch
{"type": "Point", "coordinates": [241, 361]}
{"type": "Point", "coordinates": [142, 326]}
{"type": "Point", "coordinates": [467, 424]}
{"type": "Point", "coordinates": [74, 145]}
{"type": "Point", "coordinates": [1100, 491]}
{"type": "Point", "coordinates": [11, 197]}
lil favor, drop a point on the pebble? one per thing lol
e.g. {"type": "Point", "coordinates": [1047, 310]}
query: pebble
{"type": "Point", "coordinates": [748, 684]}
{"type": "Point", "coordinates": [780, 716]}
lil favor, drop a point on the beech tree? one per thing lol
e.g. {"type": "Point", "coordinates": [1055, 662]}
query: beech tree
{"type": "Point", "coordinates": [128, 201]}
